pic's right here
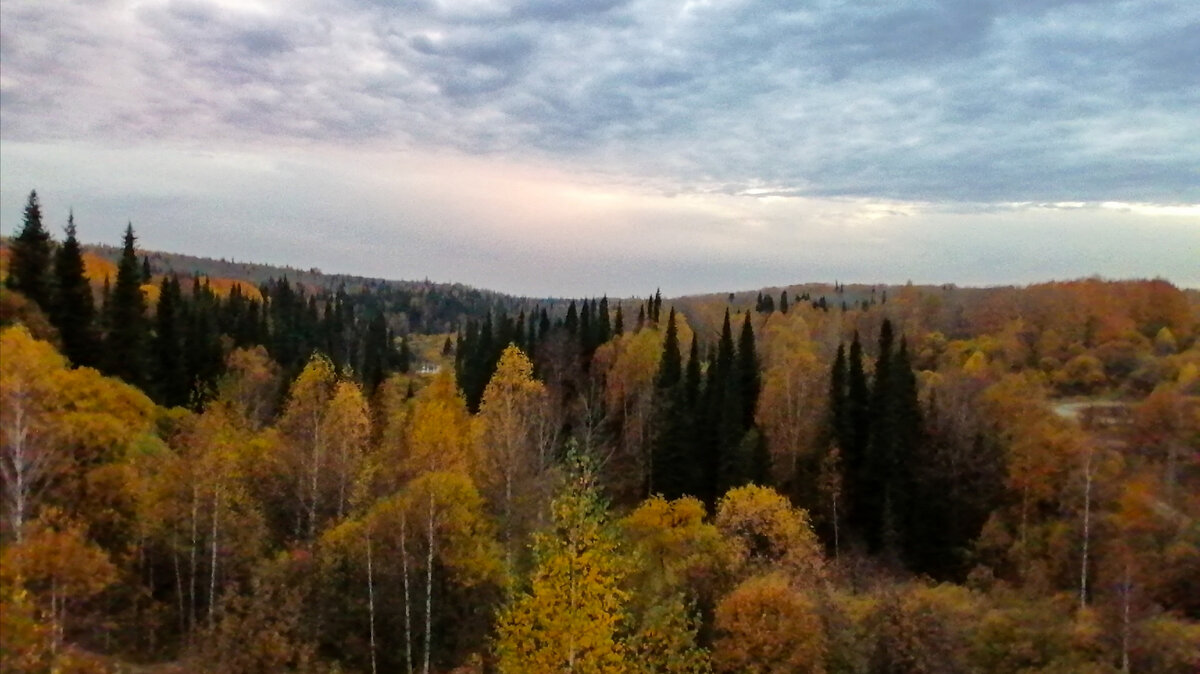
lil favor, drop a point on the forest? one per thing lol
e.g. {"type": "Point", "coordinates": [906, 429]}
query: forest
{"type": "Point", "coordinates": [222, 474]}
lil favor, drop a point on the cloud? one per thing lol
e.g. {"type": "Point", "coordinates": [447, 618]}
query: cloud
{"type": "Point", "coordinates": [709, 128]}
{"type": "Point", "coordinates": [923, 99]}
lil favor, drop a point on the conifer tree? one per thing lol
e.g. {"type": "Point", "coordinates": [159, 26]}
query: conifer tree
{"type": "Point", "coordinates": [29, 269]}
{"type": "Point", "coordinates": [146, 275]}
{"type": "Point", "coordinates": [672, 470]}
{"type": "Point", "coordinates": [587, 334]}
{"type": "Point", "coordinates": [74, 311]}
{"type": "Point", "coordinates": [879, 462]}
{"type": "Point", "coordinates": [748, 372]}
{"type": "Point", "coordinates": [691, 379]}
{"type": "Point", "coordinates": [858, 421]}
{"type": "Point", "coordinates": [572, 321]}
{"type": "Point", "coordinates": [618, 322]}
{"type": "Point", "coordinates": [670, 368]}
{"type": "Point", "coordinates": [404, 358]}
{"type": "Point", "coordinates": [128, 334]}
{"type": "Point", "coordinates": [783, 302]}
{"type": "Point", "coordinates": [657, 305]}
{"type": "Point", "coordinates": [375, 353]}
{"type": "Point", "coordinates": [171, 380]}
{"type": "Point", "coordinates": [603, 322]}
{"type": "Point", "coordinates": [839, 426]}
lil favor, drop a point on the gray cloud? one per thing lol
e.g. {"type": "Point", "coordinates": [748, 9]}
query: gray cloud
{"type": "Point", "coordinates": [923, 99]}
{"type": "Point", "coordinates": [926, 114]}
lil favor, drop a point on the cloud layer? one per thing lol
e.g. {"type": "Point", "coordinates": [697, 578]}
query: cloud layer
{"type": "Point", "coordinates": [972, 107]}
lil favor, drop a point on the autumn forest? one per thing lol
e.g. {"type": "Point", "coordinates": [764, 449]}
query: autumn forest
{"type": "Point", "coordinates": [281, 471]}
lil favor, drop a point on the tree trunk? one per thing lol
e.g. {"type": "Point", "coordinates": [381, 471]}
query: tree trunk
{"type": "Point", "coordinates": [429, 587]}
{"type": "Point", "coordinates": [407, 601]}
{"type": "Point", "coordinates": [179, 590]}
{"type": "Point", "coordinates": [371, 600]}
{"type": "Point", "coordinates": [212, 569]}
{"type": "Point", "coordinates": [192, 560]}
{"type": "Point", "coordinates": [314, 494]}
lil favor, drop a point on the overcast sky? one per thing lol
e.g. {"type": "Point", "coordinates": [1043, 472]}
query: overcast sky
{"type": "Point", "coordinates": [579, 147]}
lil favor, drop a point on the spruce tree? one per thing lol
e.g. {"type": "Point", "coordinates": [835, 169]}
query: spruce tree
{"type": "Point", "coordinates": [839, 426]}
{"type": "Point", "coordinates": [858, 418]}
{"type": "Point", "coordinates": [172, 386]}
{"type": "Point", "coordinates": [572, 321]}
{"type": "Point", "coordinates": [879, 464]}
{"type": "Point", "coordinates": [603, 322]}
{"type": "Point", "coordinates": [128, 334]}
{"type": "Point", "coordinates": [672, 470]}
{"type": "Point", "coordinates": [691, 378]}
{"type": "Point", "coordinates": [618, 322]}
{"type": "Point", "coordinates": [74, 310]}
{"type": "Point", "coordinates": [783, 302]}
{"type": "Point", "coordinates": [670, 368]}
{"type": "Point", "coordinates": [748, 372]}
{"type": "Point", "coordinates": [29, 270]}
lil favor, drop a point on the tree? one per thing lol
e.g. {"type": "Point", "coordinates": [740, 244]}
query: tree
{"type": "Point", "coordinates": [512, 415]}
{"type": "Point", "coordinates": [128, 335]}
{"type": "Point", "coordinates": [171, 380]}
{"type": "Point", "coordinates": [30, 400]}
{"type": "Point", "coordinates": [73, 311]}
{"type": "Point", "coordinates": [60, 566]}
{"type": "Point", "coordinates": [766, 627]}
{"type": "Point", "coordinates": [571, 617]}
{"type": "Point", "coordinates": [748, 371]}
{"type": "Point", "coordinates": [29, 270]}
{"type": "Point", "coordinates": [348, 425]}
{"type": "Point", "coordinates": [306, 442]}
{"type": "Point", "coordinates": [764, 533]}
{"type": "Point", "coordinates": [670, 365]}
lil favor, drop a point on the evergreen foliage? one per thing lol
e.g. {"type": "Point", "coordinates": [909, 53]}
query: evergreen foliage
{"type": "Point", "coordinates": [74, 311]}
{"type": "Point", "coordinates": [29, 268]}
{"type": "Point", "coordinates": [128, 334]}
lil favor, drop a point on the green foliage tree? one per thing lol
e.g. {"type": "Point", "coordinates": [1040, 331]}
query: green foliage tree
{"type": "Point", "coordinates": [127, 343]}
{"type": "Point", "coordinates": [74, 311]}
{"type": "Point", "coordinates": [29, 271]}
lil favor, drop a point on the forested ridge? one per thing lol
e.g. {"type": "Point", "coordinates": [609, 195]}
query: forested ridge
{"type": "Point", "coordinates": [219, 474]}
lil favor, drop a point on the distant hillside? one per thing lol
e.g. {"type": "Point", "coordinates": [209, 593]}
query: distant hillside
{"type": "Point", "coordinates": [428, 306]}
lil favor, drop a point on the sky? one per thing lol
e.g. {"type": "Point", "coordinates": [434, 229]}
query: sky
{"type": "Point", "coordinates": [583, 147]}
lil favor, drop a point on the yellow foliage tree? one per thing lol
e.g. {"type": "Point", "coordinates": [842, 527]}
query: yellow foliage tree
{"type": "Point", "coordinates": [571, 618]}
{"type": "Point", "coordinates": [763, 532]}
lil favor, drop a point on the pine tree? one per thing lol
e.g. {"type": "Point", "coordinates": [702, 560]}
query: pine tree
{"type": "Point", "coordinates": [670, 368]}
{"type": "Point", "coordinates": [404, 359]}
{"type": "Point", "coordinates": [146, 274]}
{"type": "Point", "coordinates": [128, 335]}
{"type": "Point", "coordinates": [603, 322]}
{"type": "Point", "coordinates": [878, 466]}
{"type": "Point", "coordinates": [29, 270]}
{"type": "Point", "coordinates": [671, 473]}
{"type": "Point", "coordinates": [691, 379]}
{"type": "Point", "coordinates": [171, 380]}
{"type": "Point", "coordinates": [858, 417]}
{"type": "Point", "coordinates": [657, 305]}
{"type": "Point", "coordinates": [74, 311]}
{"type": "Point", "coordinates": [748, 372]}
{"type": "Point", "coordinates": [783, 302]}
{"type": "Point", "coordinates": [839, 426]}
{"type": "Point", "coordinates": [572, 322]}
{"type": "Point", "coordinates": [618, 322]}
